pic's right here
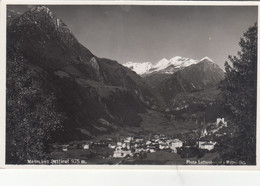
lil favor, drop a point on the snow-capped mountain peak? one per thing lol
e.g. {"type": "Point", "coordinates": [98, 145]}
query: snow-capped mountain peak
{"type": "Point", "coordinates": [179, 62]}
{"type": "Point", "coordinates": [206, 58]}
{"type": "Point", "coordinates": [161, 64]}
{"type": "Point", "coordinates": [164, 66]}
{"type": "Point", "coordinates": [139, 68]}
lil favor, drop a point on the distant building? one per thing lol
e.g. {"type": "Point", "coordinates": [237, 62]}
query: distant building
{"type": "Point", "coordinates": [152, 150]}
{"type": "Point", "coordinates": [119, 143]}
{"type": "Point", "coordinates": [128, 146]}
{"type": "Point", "coordinates": [156, 136]}
{"type": "Point", "coordinates": [111, 146]}
{"type": "Point", "coordinates": [138, 150]}
{"type": "Point", "coordinates": [204, 132]}
{"type": "Point", "coordinates": [139, 140]}
{"type": "Point", "coordinates": [174, 144]}
{"type": "Point", "coordinates": [207, 145]}
{"type": "Point", "coordinates": [129, 139]}
{"type": "Point", "coordinates": [64, 148]}
{"type": "Point", "coordinates": [221, 121]}
{"type": "Point", "coordinates": [86, 146]}
{"type": "Point", "coordinates": [124, 145]}
{"type": "Point", "coordinates": [120, 153]}
{"type": "Point", "coordinates": [163, 146]}
{"type": "Point", "coordinates": [162, 141]}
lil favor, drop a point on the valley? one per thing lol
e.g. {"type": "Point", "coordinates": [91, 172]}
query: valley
{"type": "Point", "coordinates": [159, 140]}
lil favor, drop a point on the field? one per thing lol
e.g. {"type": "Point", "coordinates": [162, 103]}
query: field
{"type": "Point", "coordinates": [154, 122]}
{"type": "Point", "coordinates": [158, 158]}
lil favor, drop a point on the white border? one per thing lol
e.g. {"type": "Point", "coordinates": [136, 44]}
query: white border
{"type": "Point", "coordinates": [132, 167]}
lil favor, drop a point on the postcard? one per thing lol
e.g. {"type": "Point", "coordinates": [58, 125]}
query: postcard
{"type": "Point", "coordinates": [129, 84]}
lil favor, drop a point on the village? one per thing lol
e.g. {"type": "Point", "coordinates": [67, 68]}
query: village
{"type": "Point", "coordinates": [135, 146]}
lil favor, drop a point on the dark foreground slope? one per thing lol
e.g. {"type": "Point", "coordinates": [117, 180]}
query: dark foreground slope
{"type": "Point", "coordinates": [95, 95]}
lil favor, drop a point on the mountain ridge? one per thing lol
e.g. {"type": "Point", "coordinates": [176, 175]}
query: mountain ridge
{"type": "Point", "coordinates": [163, 66]}
{"type": "Point", "coordinates": [88, 89]}
{"type": "Point", "coordinates": [195, 78]}
{"type": "Point", "coordinates": [97, 95]}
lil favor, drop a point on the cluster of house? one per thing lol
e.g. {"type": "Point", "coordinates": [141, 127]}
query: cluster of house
{"type": "Point", "coordinates": [213, 130]}
{"type": "Point", "coordinates": [131, 146]}
{"type": "Point", "coordinates": [80, 145]}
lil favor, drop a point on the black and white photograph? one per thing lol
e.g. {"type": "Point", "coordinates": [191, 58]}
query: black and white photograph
{"type": "Point", "coordinates": [131, 85]}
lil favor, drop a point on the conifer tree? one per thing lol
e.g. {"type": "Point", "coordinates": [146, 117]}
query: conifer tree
{"type": "Point", "coordinates": [239, 90]}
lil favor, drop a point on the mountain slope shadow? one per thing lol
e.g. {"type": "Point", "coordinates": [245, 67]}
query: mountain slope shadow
{"type": "Point", "coordinates": [96, 95]}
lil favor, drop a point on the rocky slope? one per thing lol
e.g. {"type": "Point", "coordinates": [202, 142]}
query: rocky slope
{"type": "Point", "coordinates": [197, 77]}
{"type": "Point", "coordinates": [97, 95]}
{"type": "Point", "coordinates": [180, 83]}
{"type": "Point", "coordinates": [100, 95]}
{"type": "Point", "coordinates": [193, 90]}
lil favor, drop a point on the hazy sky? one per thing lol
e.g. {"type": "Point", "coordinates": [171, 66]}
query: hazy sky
{"type": "Point", "coordinates": [150, 33]}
